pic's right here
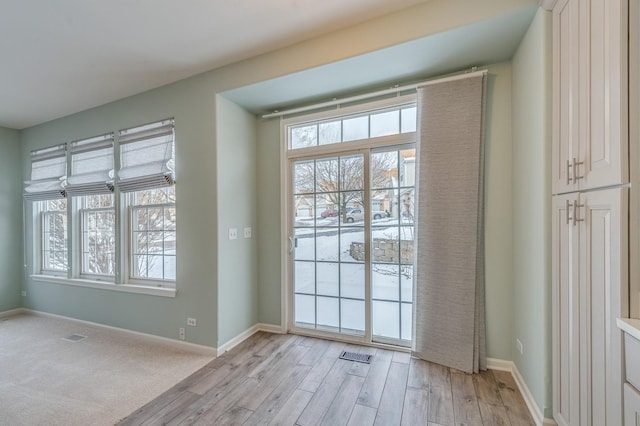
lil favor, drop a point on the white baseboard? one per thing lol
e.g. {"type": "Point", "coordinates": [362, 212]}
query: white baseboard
{"type": "Point", "coordinates": [193, 347]}
{"type": "Point", "coordinates": [503, 365]}
{"type": "Point", "coordinates": [230, 344]}
{"type": "Point", "coordinates": [270, 328]}
{"type": "Point", "coordinates": [11, 313]}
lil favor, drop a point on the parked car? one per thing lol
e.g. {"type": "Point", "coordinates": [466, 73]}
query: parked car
{"type": "Point", "coordinates": [329, 213]}
{"type": "Point", "coordinates": [356, 215]}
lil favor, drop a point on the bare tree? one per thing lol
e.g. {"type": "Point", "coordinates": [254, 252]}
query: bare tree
{"type": "Point", "coordinates": [341, 180]}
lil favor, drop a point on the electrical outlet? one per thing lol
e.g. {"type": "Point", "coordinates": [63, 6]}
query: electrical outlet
{"type": "Point", "coordinates": [182, 333]}
{"type": "Point", "coordinates": [23, 293]}
{"type": "Point", "coordinates": [247, 232]}
{"type": "Point", "coordinates": [191, 322]}
{"type": "Point", "coordinates": [519, 346]}
{"type": "Point", "coordinates": [233, 233]}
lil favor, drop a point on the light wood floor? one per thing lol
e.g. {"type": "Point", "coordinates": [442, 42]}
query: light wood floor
{"type": "Point", "coordinates": [296, 380]}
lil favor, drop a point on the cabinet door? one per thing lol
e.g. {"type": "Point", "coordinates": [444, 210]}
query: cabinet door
{"type": "Point", "coordinates": [566, 93]}
{"type": "Point", "coordinates": [565, 254]}
{"type": "Point", "coordinates": [631, 406]}
{"type": "Point", "coordinates": [603, 218]}
{"type": "Point", "coordinates": [602, 158]}
{"type": "Point", "coordinates": [590, 94]}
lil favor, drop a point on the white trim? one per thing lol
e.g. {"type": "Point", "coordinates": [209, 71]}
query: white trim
{"type": "Point", "coordinates": [11, 313]}
{"type": "Point", "coordinates": [127, 288]}
{"type": "Point", "coordinates": [510, 366]}
{"type": "Point", "coordinates": [271, 328]}
{"type": "Point", "coordinates": [193, 347]}
{"type": "Point", "coordinates": [547, 4]}
{"type": "Point", "coordinates": [500, 365]}
{"type": "Point", "coordinates": [235, 341]}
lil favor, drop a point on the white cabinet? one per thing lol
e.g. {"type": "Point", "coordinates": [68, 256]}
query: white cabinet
{"type": "Point", "coordinates": [590, 132]}
{"type": "Point", "coordinates": [589, 292]}
{"type": "Point", "coordinates": [631, 406]}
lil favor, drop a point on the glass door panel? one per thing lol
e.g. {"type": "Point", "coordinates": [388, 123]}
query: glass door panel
{"type": "Point", "coordinates": [392, 242]}
{"type": "Point", "coordinates": [353, 244]}
{"type": "Point", "coordinates": [329, 284]}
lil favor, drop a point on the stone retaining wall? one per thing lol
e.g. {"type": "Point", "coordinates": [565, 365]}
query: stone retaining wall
{"type": "Point", "coordinates": [385, 250]}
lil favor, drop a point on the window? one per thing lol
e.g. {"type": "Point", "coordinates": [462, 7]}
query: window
{"type": "Point", "coordinates": [98, 235]}
{"type": "Point", "coordinates": [153, 239]}
{"type": "Point", "coordinates": [113, 217]}
{"type": "Point", "coordinates": [53, 238]}
{"type": "Point", "coordinates": [355, 127]}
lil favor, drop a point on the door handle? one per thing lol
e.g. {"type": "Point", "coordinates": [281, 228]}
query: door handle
{"type": "Point", "coordinates": [290, 244]}
{"type": "Point", "coordinates": [576, 206]}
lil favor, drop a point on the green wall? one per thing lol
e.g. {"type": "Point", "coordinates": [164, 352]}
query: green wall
{"type": "Point", "coordinates": [193, 107]}
{"type": "Point", "coordinates": [10, 220]}
{"type": "Point", "coordinates": [206, 151]}
{"type": "Point", "coordinates": [237, 208]}
{"type": "Point", "coordinates": [532, 209]}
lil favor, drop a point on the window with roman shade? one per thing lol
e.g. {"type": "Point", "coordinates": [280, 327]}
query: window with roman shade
{"type": "Point", "coordinates": [91, 166]}
{"type": "Point", "coordinates": [146, 157]}
{"type": "Point", "coordinates": [48, 172]}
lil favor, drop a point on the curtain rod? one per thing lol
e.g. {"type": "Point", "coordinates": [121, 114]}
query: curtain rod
{"type": "Point", "coordinates": [392, 90]}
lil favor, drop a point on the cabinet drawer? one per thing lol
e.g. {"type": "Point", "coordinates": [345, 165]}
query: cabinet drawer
{"type": "Point", "coordinates": [631, 357]}
{"type": "Point", "coordinates": [631, 406]}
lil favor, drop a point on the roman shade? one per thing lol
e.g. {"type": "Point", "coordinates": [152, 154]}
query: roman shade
{"type": "Point", "coordinates": [91, 166]}
{"type": "Point", "coordinates": [48, 171]}
{"type": "Point", "coordinates": [146, 157]}
{"type": "Point", "coordinates": [449, 305]}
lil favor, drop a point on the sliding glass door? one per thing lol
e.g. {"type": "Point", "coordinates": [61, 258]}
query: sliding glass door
{"type": "Point", "coordinates": [351, 243]}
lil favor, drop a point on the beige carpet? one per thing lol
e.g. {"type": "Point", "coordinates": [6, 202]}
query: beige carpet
{"type": "Point", "coordinates": [46, 380]}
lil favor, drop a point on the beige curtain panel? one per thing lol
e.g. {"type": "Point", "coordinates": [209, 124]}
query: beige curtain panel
{"type": "Point", "coordinates": [449, 310]}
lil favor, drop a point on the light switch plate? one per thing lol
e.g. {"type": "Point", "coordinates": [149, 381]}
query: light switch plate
{"type": "Point", "coordinates": [247, 232]}
{"type": "Point", "coordinates": [233, 233]}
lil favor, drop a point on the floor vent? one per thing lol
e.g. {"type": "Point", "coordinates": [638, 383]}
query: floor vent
{"type": "Point", "coordinates": [353, 356]}
{"type": "Point", "coordinates": [75, 337]}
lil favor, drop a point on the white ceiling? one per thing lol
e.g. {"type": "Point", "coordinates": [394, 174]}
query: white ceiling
{"type": "Point", "coordinates": [64, 56]}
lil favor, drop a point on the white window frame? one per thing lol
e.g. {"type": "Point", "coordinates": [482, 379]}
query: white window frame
{"type": "Point", "coordinates": [75, 228]}
{"type": "Point", "coordinates": [79, 213]}
{"type": "Point", "coordinates": [131, 207]}
{"type": "Point", "coordinates": [287, 154]}
{"type": "Point", "coordinates": [41, 212]}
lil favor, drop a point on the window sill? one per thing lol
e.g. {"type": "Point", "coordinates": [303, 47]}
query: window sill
{"type": "Point", "coordinates": [127, 288]}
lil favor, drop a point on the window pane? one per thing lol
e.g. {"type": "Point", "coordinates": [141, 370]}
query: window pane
{"type": "Point", "coordinates": [330, 132]}
{"type": "Point", "coordinates": [386, 319]}
{"type": "Point", "coordinates": [406, 320]}
{"type": "Point", "coordinates": [356, 128]}
{"type": "Point", "coordinates": [327, 175]}
{"type": "Point", "coordinates": [408, 167]}
{"type": "Point", "coordinates": [352, 245]}
{"type": "Point", "coordinates": [385, 123]}
{"type": "Point", "coordinates": [408, 117]}
{"type": "Point", "coordinates": [384, 169]}
{"type": "Point", "coordinates": [304, 136]}
{"type": "Point", "coordinates": [304, 210]}
{"type": "Point", "coordinates": [169, 267]}
{"type": "Point", "coordinates": [303, 244]}
{"type": "Point", "coordinates": [328, 312]}
{"type": "Point", "coordinates": [327, 280]}
{"type": "Point", "coordinates": [305, 310]}
{"type": "Point", "coordinates": [352, 315]}
{"type": "Point", "coordinates": [406, 283]}
{"type": "Point", "coordinates": [305, 277]}
{"type": "Point", "coordinates": [351, 173]}
{"type": "Point", "coordinates": [328, 207]}
{"type": "Point", "coordinates": [155, 265]}
{"type": "Point", "coordinates": [385, 282]}
{"type": "Point", "coordinates": [353, 206]}
{"type": "Point", "coordinates": [352, 280]}
{"type": "Point", "coordinates": [303, 177]}
{"type": "Point", "coordinates": [327, 244]}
